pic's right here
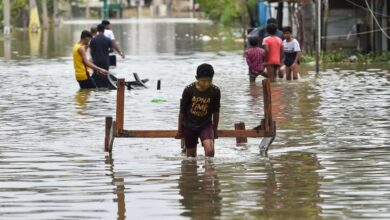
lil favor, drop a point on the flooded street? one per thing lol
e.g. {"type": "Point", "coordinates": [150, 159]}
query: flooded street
{"type": "Point", "coordinates": [330, 159]}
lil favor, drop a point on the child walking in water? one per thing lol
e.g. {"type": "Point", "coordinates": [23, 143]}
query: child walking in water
{"type": "Point", "coordinates": [199, 112]}
{"type": "Point", "coordinates": [255, 59]}
{"type": "Point", "coordinates": [292, 54]}
{"type": "Point", "coordinates": [273, 51]}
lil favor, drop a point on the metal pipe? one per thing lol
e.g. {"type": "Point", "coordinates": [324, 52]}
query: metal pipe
{"type": "Point", "coordinates": [318, 43]}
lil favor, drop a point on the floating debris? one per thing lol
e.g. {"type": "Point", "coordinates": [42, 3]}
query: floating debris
{"type": "Point", "coordinates": [158, 100]}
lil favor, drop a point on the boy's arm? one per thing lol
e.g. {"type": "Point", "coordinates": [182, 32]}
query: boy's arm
{"type": "Point", "coordinates": [215, 124]}
{"type": "Point", "coordinates": [266, 52]}
{"type": "Point", "coordinates": [91, 46]}
{"type": "Point", "coordinates": [116, 48]}
{"type": "Point", "coordinates": [297, 48]}
{"type": "Point", "coordinates": [88, 63]}
{"type": "Point", "coordinates": [281, 54]}
{"type": "Point", "coordinates": [216, 113]}
{"type": "Point", "coordinates": [299, 54]}
{"type": "Point", "coordinates": [183, 106]}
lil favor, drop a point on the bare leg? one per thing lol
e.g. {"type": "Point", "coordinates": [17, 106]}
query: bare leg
{"type": "Point", "coordinates": [191, 152]}
{"type": "Point", "coordinates": [281, 72]}
{"type": "Point", "coordinates": [277, 71]}
{"type": "Point", "coordinates": [271, 72]}
{"type": "Point", "coordinates": [295, 70]}
{"type": "Point", "coordinates": [288, 73]}
{"type": "Point", "coordinates": [208, 145]}
{"type": "Point", "coordinates": [252, 78]}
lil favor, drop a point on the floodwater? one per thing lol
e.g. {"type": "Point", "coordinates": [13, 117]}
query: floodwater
{"type": "Point", "coordinates": [330, 159]}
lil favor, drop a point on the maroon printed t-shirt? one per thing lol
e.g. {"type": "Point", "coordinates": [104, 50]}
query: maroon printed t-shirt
{"type": "Point", "coordinates": [198, 106]}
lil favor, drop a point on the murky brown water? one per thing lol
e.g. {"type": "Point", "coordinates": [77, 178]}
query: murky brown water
{"type": "Point", "coordinates": [330, 159]}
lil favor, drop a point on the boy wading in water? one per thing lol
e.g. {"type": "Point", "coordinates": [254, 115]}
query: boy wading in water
{"type": "Point", "coordinates": [199, 112]}
{"type": "Point", "coordinates": [292, 54]}
{"type": "Point", "coordinates": [273, 52]}
{"type": "Point", "coordinates": [255, 59]}
{"type": "Point", "coordinates": [82, 65]}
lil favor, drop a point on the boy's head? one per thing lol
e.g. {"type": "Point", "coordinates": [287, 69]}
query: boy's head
{"type": "Point", "coordinates": [85, 37]}
{"type": "Point", "coordinates": [204, 75]}
{"type": "Point", "coordinates": [94, 30]}
{"type": "Point", "coordinates": [287, 31]}
{"type": "Point", "coordinates": [253, 41]}
{"type": "Point", "coordinates": [106, 24]}
{"type": "Point", "coordinates": [272, 28]}
{"type": "Point", "coordinates": [100, 28]}
{"type": "Point", "coordinates": [272, 21]}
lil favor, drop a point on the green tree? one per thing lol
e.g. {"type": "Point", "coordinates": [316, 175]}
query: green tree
{"type": "Point", "coordinates": [228, 11]}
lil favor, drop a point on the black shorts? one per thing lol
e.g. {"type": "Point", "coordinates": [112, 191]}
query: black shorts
{"type": "Point", "coordinates": [191, 136]}
{"type": "Point", "coordinates": [87, 84]}
{"type": "Point", "coordinates": [289, 59]}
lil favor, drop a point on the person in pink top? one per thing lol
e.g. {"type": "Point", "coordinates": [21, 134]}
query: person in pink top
{"type": "Point", "coordinates": [273, 51]}
{"type": "Point", "coordinates": [255, 57]}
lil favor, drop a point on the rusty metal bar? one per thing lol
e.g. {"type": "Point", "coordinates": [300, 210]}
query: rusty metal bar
{"type": "Point", "coordinates": [120, 105]}
{"type": "Point", "coordinates": [172, 133]}
{"type": "Point", "coordinates": [268, 121]}
{"type": "Point", "coordinates": [107, 135]}
{"type": "Point", "coordinates": [240, 126]}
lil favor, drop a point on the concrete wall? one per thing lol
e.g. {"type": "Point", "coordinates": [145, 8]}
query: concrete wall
{"type": "Point", "coordinates": [342, 29]}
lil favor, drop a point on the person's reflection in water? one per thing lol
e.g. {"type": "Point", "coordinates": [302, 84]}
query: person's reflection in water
{"type": "Point", "coordinates": [118, 182]}
{"type": "Point", "coordinates": [81, 99]}
{"type": "Point", "coordinates": [256, 92]}
{"type": "Point", "coordinates": [200, 192]}
{"type": "Point", "coordinates": [7, 48]}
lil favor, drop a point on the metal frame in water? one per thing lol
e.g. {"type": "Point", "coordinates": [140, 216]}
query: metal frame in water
{"type": "Point", "coordinates": [267, 128]}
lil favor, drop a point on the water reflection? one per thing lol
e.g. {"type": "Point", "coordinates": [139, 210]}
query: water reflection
{"type": "Point", "coordinates": [135, 38]}
{"type": "Point", "coordinates": [292, 186]}
{"type": "Point", "coordinates": [119, 184]}
{"type": "Point", "coordinates": [200, 192]}
{"type": "Point", "coordinates": [35, 40]}
{"type": "Point", "coordinates": [81, 99]}
{"type": "Point", "coordinates": [7, 48]}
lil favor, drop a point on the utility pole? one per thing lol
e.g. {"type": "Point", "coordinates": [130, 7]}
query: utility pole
{"type": "Point", "coordinates": [55, 11]}
{"type": "Point", "coordinates": [105, 9]}
{"type": "Point", "coordinates": [45, 18]}
{"type": "Point", "coordinates": [87, 8]}
{"type": "Point", "coordinates": [318, 43]}
{"type": "Point", "coordinates": [7, 17]}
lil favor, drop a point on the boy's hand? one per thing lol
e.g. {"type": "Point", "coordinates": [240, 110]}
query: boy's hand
{"type": "Point", "coordinates": [215, 134]}
{"type": "Point", "coordinates": [179, 135]}
{"type": "Point", "coordinates": [103, 71]}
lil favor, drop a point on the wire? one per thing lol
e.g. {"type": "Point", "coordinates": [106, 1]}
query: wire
{"type": "Point", "coordinates": [359, 6]}
{"type": "Point", "coordinates": [355, 34]}
{"type": "Point", "coordinates": [376, 20]}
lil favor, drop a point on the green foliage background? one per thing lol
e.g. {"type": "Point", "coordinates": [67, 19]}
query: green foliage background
{"type": "Point", "coordinates": [227, 11]}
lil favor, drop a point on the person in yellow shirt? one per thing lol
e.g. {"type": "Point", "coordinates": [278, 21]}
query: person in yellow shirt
{"type": "Point", "coordinates": [82, 65]}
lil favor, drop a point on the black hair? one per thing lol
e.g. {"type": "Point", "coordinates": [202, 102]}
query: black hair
{"type": "Point", "coordinates": [105, 22]}
{"type": "Point", "coordinates": [271, 29]}
{"type": "Point", "coordinates": [100, 28]}
{"type": "Point", "coordinates": [287, 29]}
{"type": "Point", "coordinates": [272, 21]}
{"type": "Point", "coordinates": [85, 34]}
{"type": "Point", "coordinates": [253, 41]}
{"type": "Point", "coordinates": [205, 70]}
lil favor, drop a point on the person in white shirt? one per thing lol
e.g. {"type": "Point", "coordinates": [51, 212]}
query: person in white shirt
{"type": "Point", "coordinates": [292, 54]}
{"type": "Point", "coordinates": [115, 47]}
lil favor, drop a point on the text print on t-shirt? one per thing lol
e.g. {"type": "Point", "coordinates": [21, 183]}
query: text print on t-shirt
{"type": "Point", "coordinates": [200, 106]}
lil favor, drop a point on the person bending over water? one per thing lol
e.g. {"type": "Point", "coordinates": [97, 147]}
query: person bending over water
{"type": "Point", "coordinates": [81, 63]}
